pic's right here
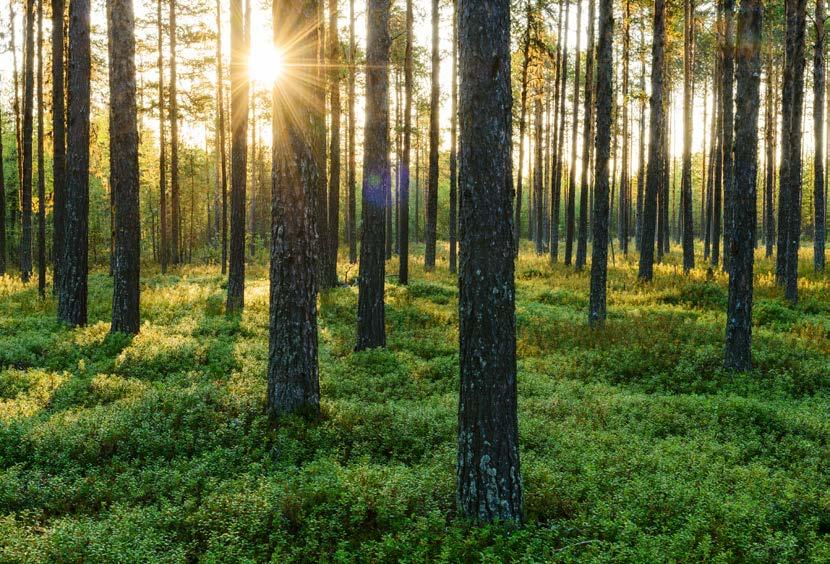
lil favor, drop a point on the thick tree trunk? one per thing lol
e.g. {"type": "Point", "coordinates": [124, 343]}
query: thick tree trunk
{"type": "Point", "coordinates": [25, 254]}
{"type": "Point", "coordinates": [125, 180]}
{"type": "Point", "coordinates": [792, 101]}
{"type": "Point", "coordinates": [587, 135]}
{"type": "Point", "coordinates": [352, 182]}
{"type": "Point", "coordinates": [175, 203]}
{"type": "Point", "coordinates": [41, 181]}
{"type": "Point", "coordinates": [599, 256]}
{"type": "Point", "coordinates": [403, 227]}
{"type": "Point", "coordinates": [454, 145]}
{"type": "Point", "coordinates": [431, 223]}
{"type": "Point", "coordinates": [728, 76]}
{"type": "Point", "coordinates": [688, 102]}
{"type": "Point", "coordinates": [489, 484]}
{"type": "Point", "coordinates": [571, 204]}
{"type": "Point", "coordinates": [330, 266]}
{"type": "Point", "coordinates": [58, 145]}
{"type": "Point", "coordinates": [239, 156]}
{"type": "Point", "coordinates": [72, 306]}
{"type": "Point", "coordinates": [818, 132]}
{"type": "Point", "coordinates": [556, 196]}
{"type": "Point", "coordinates": [655, 144]}
{"type": "Point", "coordinates": [371, 324]}
{"type": "Point", "coordinates": [293, 370]}
{"type": "Point", "coordinates": [737, 354]}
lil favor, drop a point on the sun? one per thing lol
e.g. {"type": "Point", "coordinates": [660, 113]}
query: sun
{"type": "Point", "coordinates": [266, 64]}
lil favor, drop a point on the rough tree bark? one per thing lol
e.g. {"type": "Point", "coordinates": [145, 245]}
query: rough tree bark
{"type": "Point", "coordinates": [403, 273]}
{"type": "Point", "coordinates": [124, 173]}
{"type": "Point", "coordinates": [239, 156]}
{"type": "Point", "coordinates": [600, 220]}
{"type": "Point", "coordinates": [655, 144]}
{"type": "Point", "coordinates": [818, 131]}
{"type": "Point", "coordinates": [72, 304]}
{"type": "Point", "coordinates": [489, 484]}
{"type": "Point", "coordinates": [727, 98]}
{"type": "Point", "coordinates": [58, 145]}
{"type": "Point", "coordinates": [41, 171]}
{"type": "Point", "coordinates": [431, 223]}
{"type": "Point", "coordinates": [293, 370]}
{"type": "Point", "coordinates": [371, 324]}
{"type": "Point", "coordinates": [737, 355]}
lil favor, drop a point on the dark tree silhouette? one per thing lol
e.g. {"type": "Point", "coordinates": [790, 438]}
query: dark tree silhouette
{"type": "Point", "coordinates": [819, 220]}
{"type": "Point", "coordinates": [72, 306]}
{"type": "Point", "coordinates": [220, 133]}
{"type": "Point", "coordinates": [28, 154]}
{"type": "Point", "coordinates": [403, 227]}
{"type": "Point", "coordinates": [124, 158]}
{"type": "Point", "coordinates": [352, 180]}
{"type": "Point", "coordinates": [728, 101]}
{"type": "Point", "coordinates": [454, 144]}
{"type": "Point", "coordinates": [371, 329]}
{"type": "Point", "coordinates": [293, 371]}
{"type": "Point", "coordinates": [517, 224]}
{"type": "Point", "coordinates": [2, 206]}
{"type": "Point", "coordinates": [571, 204]}
{"type": "Point", "coordinates": [655, 144]}
{"type": "Point", "coordinates": [175, 201]}
{"type": "Point", "coordinates": [600, 219]}
{"type": "Point", "coordinates": [587, 131]}
{"type": "Point", "coordinates": [556, 196]}
{"type": "Point", "coordinates": [58, 145]}
{"type": "Point", "coordinates": [488, 471]}
{"type": "Point", "coordinates": [330, 261]}
{"type": "Point", "coordinates": [431, 222]}
{"type": "Point", "coordinates": [164, 251]}
{"type": "Point", "coordinates": [41, 180]}
{"type": "Point", "coordinates": [688, 95]}
{"type": "Point", "coordinates": [742, 249]}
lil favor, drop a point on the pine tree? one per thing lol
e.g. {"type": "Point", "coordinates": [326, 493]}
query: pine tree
{"type": "Point", "coordinates": [431, 223]}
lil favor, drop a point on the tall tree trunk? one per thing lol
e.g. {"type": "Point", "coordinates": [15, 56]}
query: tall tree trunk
{"type": "Point", "coordinates": [252, 180]}
{"type": "Point", "coordinates": [792, 102]}
{"type": "Point", "coordinates": [371, 324]}
{"type": "Point", "coordinates": [728, 75]}
{"type": "Point", "coordinates": [454, 144]}
{"type": "Point", "coordinates": [517, 226]}
{"type": "Point", "coordinates": [625, 178]}
{"type": "Point", "coordinates": [164, 241]}
{"type": "Point", "coordinates": [403, 227]}
{"type": "Point", "coordinates": [175, 204]}
{"type": "Point", "coordinates": [571, 206]}
{"type": "Point", "coordinates": [688, 101]}
{"type": "Point", "coordinates": [72, 306]}
{"type": "Point", "coordinates": [28, 154]}
{"type": "Point", "coordinates": [536, 218]}
{"type": "Point", "coordinates": [489, 484]}
{"type": "Point", "coordinates": [560, 145]}
{"type": "Point", "coordinates": [587, 134]}
{"type": "Point", "coordinates": [771, 125]}
{"type": "Point", "coordinates": [655, 144]}
{"type": "Point", "coordinates": [41, 181]}
{"type": "Point", "coordinates": [641, 172]}
{"type": "Point", "coordinates": [125, 180]}
{"type": "Point", "coordinates": [599, 257]}
{"type": "Point", "coordinates": [330, 266]}
{"type": "Point", "coordinates": [434, 131]}
{"type": "Point", "coordinates": [220, 126]}
{"type": "Point", "coordinates": [320, 148]}
{"type": "Point", "coordinates": [352, 181]}
{"type": "Point", "coordinates": [717, 191]}
{"type": "Point", "coordinates": [2, 206]}
{"type": "Point", "coordinates": [19, 149]}
{"type": "Point", "coordinates": [818, 131]}
{"type": "Point", "coordinates": [239, 154]}
{"type": "Point", "coordinates": [737, 354]}
{"type": "Point", "coordinates": [293, 369]}
{"type": "Point", "coordinates": [58, 144]}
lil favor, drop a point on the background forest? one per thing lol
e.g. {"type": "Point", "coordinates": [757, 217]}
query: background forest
{"type": "Point", "coordinates": [414, 280]}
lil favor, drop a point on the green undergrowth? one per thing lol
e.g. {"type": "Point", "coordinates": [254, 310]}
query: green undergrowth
{"type": "Point", "coordinates": [636, 445]}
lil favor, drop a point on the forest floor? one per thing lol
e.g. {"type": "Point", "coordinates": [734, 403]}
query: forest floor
{"type": "Point", "coordinates": [635, 444]}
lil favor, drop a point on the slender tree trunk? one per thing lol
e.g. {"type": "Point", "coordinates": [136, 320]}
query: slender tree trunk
{"type": "Point", "coordinates": [403, 227]}
{"type": "Point", "coordinates": [737, 354]}
{"type": "Point", "coordinates": [220, 117]}
{"type": "Point", "coordinates": [454, 145]}
{"type": "Point", "coordinates": [58, 145]}
{"type": "Point", "coordinates": [352, 182]}
{"type": "Point", "coordinates": [536, 218]}
{"type": "Point", "coordinates": [599, 258]}
{"type": "Point", "coordinates": [571, 209]}
{"type": "Point", "coordinates": [19, 148]}
{"type": "Point", "coordinates": [371, 325]}
{"type": "Point", "coordinates": [769, 145]}
{"type": "Point", "coordinates": [625, 177]}
{"type": "Point", "coordinates": [124, 150]}
{"type": "Point", "coordinates": [641, 173]}
{"type": "Point", "coordinates": [517, 227]}
{"type": "Point", "coordinates": [728, 57]}
{"type": "Point", "coordinates": [818, 131]}
{"type": "Point", "coordinates": [587, 134]}
{"type": "Point", "coordinates": [434, 131]}
{"type": "Point", "coordinates": [28, 154]}
{"type": "Point", "coordinates": [72, 306]}
{"type": "Point", "coordinates": [41, 181]}
{"type": "Point", "coordinates": [293, 370]}
{"type": "Point", "coordinates": [320, 146]}
{"type": "Point", "coordinates": [2, 206]}
{"type": "Point", "coordinates": [239, 154]}
{"type": "Point", "coordinates": [489, 484]}
{"type": "Point", "coordinates": [688, 101]}
{"type": "Point", "coordinates": [655, 144]}
{"type": "Point", "coordinates": [175, 204]}
{"type": "Point", "coordinates": [330, 274]}
{"type": "Point", "coordinates": [164, 242]}
{"type": "Point", "coordinates": [252, 180]}
{"type": "Point", "coordinates": [557, 190]}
